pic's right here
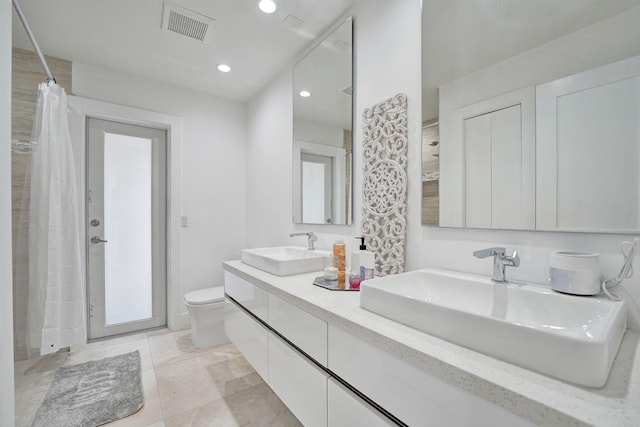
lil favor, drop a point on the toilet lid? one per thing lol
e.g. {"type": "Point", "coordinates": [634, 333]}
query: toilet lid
{"type": "Point", "coordinates": [205, 296]}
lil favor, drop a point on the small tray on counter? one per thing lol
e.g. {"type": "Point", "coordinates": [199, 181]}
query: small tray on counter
{"type": "Point", "coordinates": [332, 285]}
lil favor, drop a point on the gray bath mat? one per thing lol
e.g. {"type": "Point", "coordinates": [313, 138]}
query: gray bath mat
{"type": "Point", "coordinates": [93, 393]}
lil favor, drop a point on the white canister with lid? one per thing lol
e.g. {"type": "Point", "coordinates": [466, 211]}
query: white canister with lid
{"type": "Point", "coordinates": [576, 273]}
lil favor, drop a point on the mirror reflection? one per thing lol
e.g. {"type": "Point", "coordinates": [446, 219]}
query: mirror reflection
{"type": "Point", "coordinates": [322, 122]}
{"type": "Point", "coordinates": [530, 115]}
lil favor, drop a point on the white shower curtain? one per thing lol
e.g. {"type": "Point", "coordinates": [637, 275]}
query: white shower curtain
{"type": "Point", "coordinates": [56, 314]}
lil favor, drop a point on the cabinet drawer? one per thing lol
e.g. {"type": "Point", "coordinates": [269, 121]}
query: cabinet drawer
{"type": "Point", "coordinates": [347, 409]}
{"type": "Point", "coordinates": [410, 394]}
{"type": "Point", "coordinates": [250, 296]}
{"type": "Point", "coordinates": [248, 336]}
{"type": "Point", "coordinates": [300, 384]}
{"type": "Point", "coordinates": [301, 328]}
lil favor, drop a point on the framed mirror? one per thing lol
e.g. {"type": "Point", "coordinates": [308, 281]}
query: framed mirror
{"type": "Point", "coordinates": [322, 125]}
{"type": "Point", "coordinates": [530, 113]}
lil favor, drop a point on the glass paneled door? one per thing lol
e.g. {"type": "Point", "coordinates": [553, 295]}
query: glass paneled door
{"type": "Point", "coordinates": [317, 194]}
{"type": "Point", "coordinates": [126, 227]}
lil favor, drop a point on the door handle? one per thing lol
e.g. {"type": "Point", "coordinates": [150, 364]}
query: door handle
{"type": "Point", "coordinates": [96, 239]}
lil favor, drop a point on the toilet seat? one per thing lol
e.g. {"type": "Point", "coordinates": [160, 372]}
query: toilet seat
{"type": "Point", "coordinates": [204, 296]}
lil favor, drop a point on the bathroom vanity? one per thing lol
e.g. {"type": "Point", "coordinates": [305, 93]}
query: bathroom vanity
{"type": "Point", "coordinates": [334, 363]}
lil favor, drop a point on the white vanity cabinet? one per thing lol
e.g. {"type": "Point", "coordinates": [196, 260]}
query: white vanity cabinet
{"type": "Point", "coordinates": [328, 377]}
{"type": "Point", "coordinates": [288, 347]}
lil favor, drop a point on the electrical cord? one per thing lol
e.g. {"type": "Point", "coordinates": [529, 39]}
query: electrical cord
{"type": "Point", "coordinates": [628, 250]}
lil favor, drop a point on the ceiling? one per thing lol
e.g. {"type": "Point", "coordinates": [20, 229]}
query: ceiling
{"type": "Point", "coordinates": [125, 36]}
{"type": "Point", "coordinates": [326, 72]}
{"type": "Point", "coordinates": [460, 37]}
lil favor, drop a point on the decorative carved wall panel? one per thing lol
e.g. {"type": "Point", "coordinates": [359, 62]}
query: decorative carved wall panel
{"type": "Point", "coordinates": [384, 187]}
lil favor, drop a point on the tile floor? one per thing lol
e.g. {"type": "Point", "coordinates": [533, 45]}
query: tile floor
{"type": "Point", "coordinates": [183, 386]}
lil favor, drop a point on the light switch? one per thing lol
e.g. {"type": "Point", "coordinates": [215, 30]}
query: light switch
{"type": "Point", "coordinates": [184, 222]}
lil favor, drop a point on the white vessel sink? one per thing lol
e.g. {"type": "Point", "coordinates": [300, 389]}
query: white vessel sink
{"type": "Point", "coordinates": [285, 260]}
{"type": "Point", "coordinates": [567, 337]}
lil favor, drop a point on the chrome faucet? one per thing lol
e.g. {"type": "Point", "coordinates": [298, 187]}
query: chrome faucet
{"type": "Point", "coordinates": [312, 238]}
{"type": "Point", "coordinates": [500, 261]}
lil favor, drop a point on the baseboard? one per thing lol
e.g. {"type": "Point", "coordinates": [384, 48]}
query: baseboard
{"type": "Point", "coordinates": [20, 353]}
{"type": "Point", "coordinates": [180, 322]}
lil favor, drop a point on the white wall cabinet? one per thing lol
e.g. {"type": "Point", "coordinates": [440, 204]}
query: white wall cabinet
{"type": "Point", "coordinates": [487, 177]}
{"type": "Point", "coordinates": [588, 150]}
{"type": "Point", "coordinates": [493, 172]}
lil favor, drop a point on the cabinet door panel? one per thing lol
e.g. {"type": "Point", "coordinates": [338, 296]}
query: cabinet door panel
{"type": "Point", "coordinates": [301, 385]}
{"type": "Point", "coordinates": [305, 330]}
{"type": "Point", "coordinates": [248, 336]}
{"type": "Point", "coordinates": [477, 149]}
{"type": "Point", "coordinates": [588, 150]}
{"type": "Point", "coordinates": [250, 296]}
{"type": "Point", "coordinates": [347, 409]}
{"type": "Point", "coordinates": [410, 394]}
{"type": "Point", "coordinates": [506, 169]}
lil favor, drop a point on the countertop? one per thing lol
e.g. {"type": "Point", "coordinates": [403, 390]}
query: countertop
{"type": "Point", "coordinates": [536, 397]}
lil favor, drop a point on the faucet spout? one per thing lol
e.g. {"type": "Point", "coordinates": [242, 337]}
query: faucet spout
{"type": "Point", "coordinates": [312, 238]}
{"type": "Point", "coordinates": [484, 253]}
{"type": "Point", "coordinates": [500, 261]}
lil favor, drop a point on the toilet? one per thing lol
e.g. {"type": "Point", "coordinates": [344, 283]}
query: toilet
{"type": "Point", "coordinates": [206, 310]}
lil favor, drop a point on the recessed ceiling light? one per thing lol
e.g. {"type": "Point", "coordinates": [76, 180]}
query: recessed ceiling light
{"type": "Point", "coordinates": [267, 6]}
{"type": "Point", "coordinates": [224, 68]}
{"type": "Point", "coordinates": [305, 93]}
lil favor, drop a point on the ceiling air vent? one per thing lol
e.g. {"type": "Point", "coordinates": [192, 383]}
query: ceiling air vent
{"type": "Point", "coordinates": [186, 22]}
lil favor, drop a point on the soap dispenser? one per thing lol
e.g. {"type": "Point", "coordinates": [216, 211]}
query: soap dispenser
{"type": "Point", "coordinates": [363, 261]}
{"type": "Point", "coordinates": [355, 255]}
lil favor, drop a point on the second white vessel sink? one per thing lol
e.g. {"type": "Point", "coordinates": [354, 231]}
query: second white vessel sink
{"type": "Point", "coordinates": [567, 337]}
{"type": "Point", "coordinates": [285, 260]}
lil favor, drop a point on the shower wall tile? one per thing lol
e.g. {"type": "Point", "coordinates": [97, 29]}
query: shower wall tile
{"type": "Point", "coordinates": [27, 73]}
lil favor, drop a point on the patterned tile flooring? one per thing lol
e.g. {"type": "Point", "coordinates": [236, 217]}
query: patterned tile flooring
{"type": "Point", "coordinates": [183, 386]}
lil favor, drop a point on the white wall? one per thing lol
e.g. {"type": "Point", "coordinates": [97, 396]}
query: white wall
{"type": "Point", "coordinates": [7, 397]}
{"type": "Point", "coordinates": [320, 133]}
{"type": "Point", "coordinates": [388, 61]}
{"type": "Point", "coordinates": [387, 58]}
{"type": "Point", "coordinates": [213, 178]}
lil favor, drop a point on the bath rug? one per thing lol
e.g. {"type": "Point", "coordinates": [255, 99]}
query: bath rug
{"type": "Point", "coordinates": [93, 393]}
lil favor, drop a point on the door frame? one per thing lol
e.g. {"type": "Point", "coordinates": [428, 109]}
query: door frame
{"type": "Point", "coordinates": [339, 155]}
{"type": "Point", "coordinates": [95, 173]}
{"type": "Point", "coordinates": [81, 108]}
{"type": "Point", "coordinates": [328, 164]}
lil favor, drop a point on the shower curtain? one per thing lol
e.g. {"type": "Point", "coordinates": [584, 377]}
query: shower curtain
{"type": "Point", "coordinates": [56, 315]}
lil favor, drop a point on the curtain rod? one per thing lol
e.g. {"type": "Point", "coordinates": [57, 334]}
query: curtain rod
{"type": "Point", "coordinates": [25, 24]}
